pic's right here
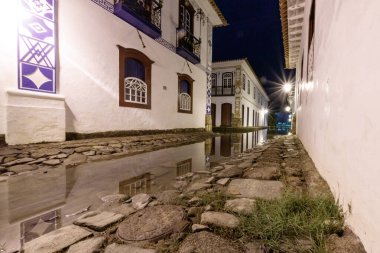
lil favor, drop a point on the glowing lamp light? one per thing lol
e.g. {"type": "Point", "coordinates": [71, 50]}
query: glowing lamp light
{"type": "Point", "coordinates": [264, 111]}
{"type": "Point", "coordinates": [287, 87]}
{"type": "Point", "coordinates": [181, 33]}
{"type": "Point", "coordinates": [287, 108]}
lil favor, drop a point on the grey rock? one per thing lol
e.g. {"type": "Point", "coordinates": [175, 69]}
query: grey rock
{"type": "Point", "coordinates": [9, 159]}
{"type": "Point", "coordinates": [1, 159]}
{"type": "Point", "coordinates": [252, 188]}
{"type": "Point", "coordinates": [68, 151]}
{"type": "Point", "coordinates": [52, 162]}
{"type": "Point", "coordinates": [195, 201]}
{"type": "Point", "coordinates": [199, 227]}
{"type": "Point", "coordinates": [9, 151]}
{"type": "Point", "coordinates": [240, 206]}
{"type": "Point", "coordinates": [140, 201]}
{"type": "Point", "coordinates": [44, 152]}
{"type": "Point", "coordinates": [115, 198]}
{"type": "Point", "coordinates": [264, 173]}
{"type": "Point", "coordinates": [167, 197]}
{"type": "Point", "coordinates": [245, 165]}
{"type": "Point", "coordinates": [61, 156]}
{"type": "Point", "coordinates": [255, 247]}
{"type": "Point", "coordinates": [219, 219]}
{"type": "Point", "coordinates": [39, 160]}
{"type": "Point", "coordinates": [75, 159]}
{"type": "Point", "coordinates": [123, 248]}
{"type": "Point", "coordinates": [194, 211]}
{"type": "Point", "coordinates": [218, 168]}
{"type": "Point", "coordinates": [223, 181]}
{"type": "Point", "coordinates": [21, 168]}
{"type": "Point", "coordinates": [89, 153]}
{"type": "Point", "coordinates": [87, 246]}
{"type": "Point", "coordinates": [197, 187]}
{"type": "Point", "coordinates": [124, 209]}
{"type": "Point", "coordinates": [57, 240]}
{"type": "Point", "coordinates": [210, 180]}
{"type": "Point", "coordinates": [208, 208]}
{"type": "Point", "coordinates": [18, 161]}
{"type": "Point", "coordinates": [82, 149]}
{"type": "Point", "coordinates": [116, 145]}
{"type": "Point", "coordinates": [233, 171]}
{"type": "Point", "coordinates": [98, 221]}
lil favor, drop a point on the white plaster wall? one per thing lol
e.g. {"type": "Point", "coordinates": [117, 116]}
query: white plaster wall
{"type": "Point", "coordinates": [337, 118]}
{"type": "Point", "coordinates": [8, 53]}
{"type": "Point", "coordinates": [90, 70]}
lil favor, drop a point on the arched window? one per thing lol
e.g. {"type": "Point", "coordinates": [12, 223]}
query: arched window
{"type": "Point", "coordinates": [214, 80]}
{"type": "Point", "coordinates": [185, 93]}
{"type": "Point", "coordinates": [134, 78]}
{"type": "Point", "coordinates": [227, 80]}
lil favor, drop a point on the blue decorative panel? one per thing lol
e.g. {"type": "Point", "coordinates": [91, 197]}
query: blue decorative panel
{"type": "Point", "coordinates": [36, 46]}
{"type": "Point", "coordinates": [104, 4]}
{"type": "Point", "coordinates": [208, 102]}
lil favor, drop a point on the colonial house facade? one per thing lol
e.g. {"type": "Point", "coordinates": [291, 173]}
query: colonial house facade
{"type": "Point", "coordinates": [94, 66]}
{"type": "Point", "coordinates": [335, 51]}
{"type": "Point", "coordinates": [238, 97]}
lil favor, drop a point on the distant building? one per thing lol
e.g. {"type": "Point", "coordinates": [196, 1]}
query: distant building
{"type": "Point", "coordinates": [334, 48]}
{"type": "Point", "coordinates": [95, 66]}
{"type": "Point", "coordinates": [238, 97]}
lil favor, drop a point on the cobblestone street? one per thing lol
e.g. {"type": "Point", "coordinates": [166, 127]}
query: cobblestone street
{"type": "Point", "coordinates": [204, 211]}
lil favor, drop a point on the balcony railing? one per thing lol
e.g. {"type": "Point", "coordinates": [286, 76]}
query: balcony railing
{"type": "Point", "coordinates": [222, 91]}
{"type": "Point", "coordinates": [144, 15]}
{"type": "Point", "coordinates": [188, 46]}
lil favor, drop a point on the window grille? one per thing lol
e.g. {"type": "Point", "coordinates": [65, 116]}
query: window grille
{"type": "Point", "coordinates": [135, 90]}
{"type": "Point", "coordinates": [184, 102]}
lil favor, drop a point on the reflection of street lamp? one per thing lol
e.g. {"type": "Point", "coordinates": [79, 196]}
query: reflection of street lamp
{"type": "Point", "coordinates": [287, 109]}
{"type": "Point", "coordinates": [287, 87]}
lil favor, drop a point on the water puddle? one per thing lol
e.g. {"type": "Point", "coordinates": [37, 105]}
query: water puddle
{"type": "Point", "coordinates": [37, 202]}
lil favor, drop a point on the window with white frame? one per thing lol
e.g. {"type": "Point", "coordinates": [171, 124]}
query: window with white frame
{"type": "Point", "coordinates": [135, 78]}
{"type": "Point", "coordinates": [214, 80]}
{"type": "Point", "coordinates": [185, 93]}
{"type": "Point", "coordinates": [227, 80]}
{"type": "Point", "coordinates": [243, 81]}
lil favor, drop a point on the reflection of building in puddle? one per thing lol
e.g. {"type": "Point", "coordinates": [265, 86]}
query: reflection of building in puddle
{"type": "Point", "coordinates": [136, 185]}
{"type": "Point", "coordinates": [184, 167]}
{"type": "Point", "coordinates": [225, 145]}
{"type": "Point", "coordinates": [40, 225]}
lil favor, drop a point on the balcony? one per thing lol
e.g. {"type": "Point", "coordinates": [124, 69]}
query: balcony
{"type": "Point", "coordinates": [144, 15]}
{"type": "Point", "coordinates": [222, 91]}
{"type": "Point", "coordinates": [188, 46]}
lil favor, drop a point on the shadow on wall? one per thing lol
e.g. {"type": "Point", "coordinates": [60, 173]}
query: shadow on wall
{"type": "Point", "coordinates": [70, 118]}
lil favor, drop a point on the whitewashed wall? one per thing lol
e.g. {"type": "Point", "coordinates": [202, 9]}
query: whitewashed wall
{"type": "Point", "coordinates": [88, 71]}
{"type": "Point", "coordinates": [337, 117]}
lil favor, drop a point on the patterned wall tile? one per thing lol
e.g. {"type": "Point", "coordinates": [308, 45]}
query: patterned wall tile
{"type": "Point", "coordinates": [104, 4]}
{"type": "Point", "coordinates": [36, 48]}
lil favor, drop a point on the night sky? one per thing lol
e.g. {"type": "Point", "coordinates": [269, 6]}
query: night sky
{"type": "Point", "coordinates": [254, 31]}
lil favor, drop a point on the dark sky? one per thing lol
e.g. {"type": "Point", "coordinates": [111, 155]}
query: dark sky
{"type": "Point", "coordinates": [254, 31]}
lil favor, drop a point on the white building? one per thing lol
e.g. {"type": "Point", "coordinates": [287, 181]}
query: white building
{"type": "Point", "coordinates": [95, 66]}
{"type": "Point", "coordinates": [334, 47]}
{"type": "Point", "coordinates": [238, 98]}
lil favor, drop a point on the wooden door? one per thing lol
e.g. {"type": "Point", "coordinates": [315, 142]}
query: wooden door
{"type": "Point", "coordinates": [226, 114]}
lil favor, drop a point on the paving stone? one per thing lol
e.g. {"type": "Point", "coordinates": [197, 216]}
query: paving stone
{"type": "Point", "coordinates": [233, 171]}
{"type": "Point", "coordinates": [18, 161]}
{"type": "Point", "coordinates": [124, 209]}
{"type": "Point", "coordinates": [207, 242]}
{"type": "Point", "coordinates": [241, 206]}
{"type": "Point", "coordinates": [9, 159]}
{"type": "Point", "coordinates": [223, 181]}
{"type": "Point", "coordinates": [98, 221]}
{"type": "Point", "coordinates": [116, 145]}
{"type": "Point", "coordinates": [87, 246]}
{"type": "Point", "coordinates": [255, 247]}
{"type": "Point", "coordinates": [195, 211]}
{"type": "Point", "coordinates": [9, 151]}
{"type": "Point", "coordinates": [61, 156]}
{"type": "Point", "coordinates": [140, 201]}
{"type": "Point", "coordinates": [252, 188]}
{"type": "Point", "coordinates": [115, 198]}
{"type": "Point", "coordinates": [90, 153]}
{"type": "Point", "coordinates": [198, 187]}
{"type": "Point", "coordinates": [39, 160]}
{"type": "Point", "coordinates": [123, 248]}
{"type": "Point", "coordinates": [68, 151]}
{"type": "Point", "coordinates": [57, 240]}
{"type": "Point", "coordinates": [44, 152]}
{"type": "Point", "coordinates": [210, 180]}
{"type": "Point", "coordinates": [75, 159]}
{"type": "Point", "coordinates": [82, 149]}
{"type": "Point", "coordinates": [52, 162]}
{"type": "Point", "coordinates": [219, 219]}
{"type": "Point", "coordinates": [245, 164]}
{"type": "Point", "coordinates": [195, 201]}
{"type": "Point", "coordinates": [167, 196]}
{"type": "Point", "coordinates": [198, 228]}
{"type": "Point", "coordinates": [1, 159]}
{"type": "Point", "coordinates": [264, 173]}
{"type": "Point", "coordinates": [21, 168]}
{"type": "Point", "coordinates": [152, 223]}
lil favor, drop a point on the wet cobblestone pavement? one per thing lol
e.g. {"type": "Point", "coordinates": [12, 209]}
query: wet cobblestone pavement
{"type": "Point", "coordinates": [211, 204]}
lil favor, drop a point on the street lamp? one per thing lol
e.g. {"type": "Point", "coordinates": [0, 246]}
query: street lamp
{"type": "Point", "coordinates": [287, 109]}
{"type": "Point", "coordinates": [287, 87]}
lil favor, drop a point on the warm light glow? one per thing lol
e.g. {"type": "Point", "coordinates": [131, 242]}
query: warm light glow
{"type": "Point", "coordinates": [264, 111]}
{"type": "Point", "coordinates": [287, 87]}
{"type": "Point", "coordinates": [287, 108]}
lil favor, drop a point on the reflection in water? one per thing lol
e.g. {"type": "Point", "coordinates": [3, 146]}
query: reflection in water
{"type": "Point", "coordinates": [38, 202]}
